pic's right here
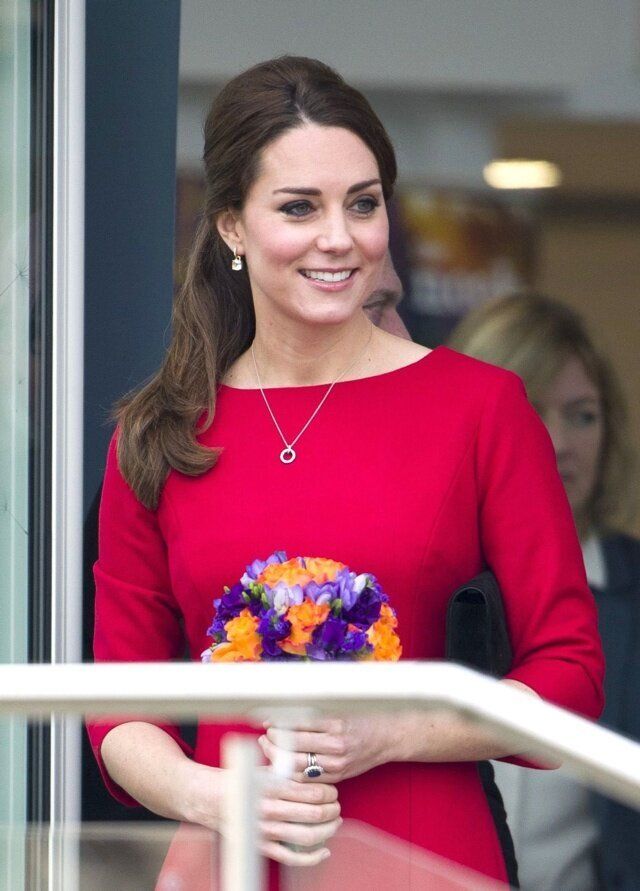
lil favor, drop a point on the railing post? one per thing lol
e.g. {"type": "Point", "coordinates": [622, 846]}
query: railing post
{"type": "Point", "coordinates": [241, 861]}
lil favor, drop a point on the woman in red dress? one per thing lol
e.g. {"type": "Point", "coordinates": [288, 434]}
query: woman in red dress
{"type": "Point", "coordinates": [282, 419]}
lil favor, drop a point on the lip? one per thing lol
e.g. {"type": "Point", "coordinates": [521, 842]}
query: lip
{"type": "Point", "coordinates": [331, 286]}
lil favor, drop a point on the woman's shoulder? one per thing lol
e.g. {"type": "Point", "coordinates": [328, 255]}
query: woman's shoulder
{"type": "Point", "coordinates": [469, 381]}
{"type": "Point", "coordinates": [476, 371]}
{"type": "Point", "coordinates": [398, 352]}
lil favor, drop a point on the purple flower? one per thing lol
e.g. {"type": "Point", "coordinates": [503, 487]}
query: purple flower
{"type": "Point", "coordinates": [273, 627]}
{"type": "Point", "coordinates": [217, 626]}
{"type": "Point", "coordinates": [324, 593]}
{"type": "Point", "coordinates": [366, 610]}
{"type": "Point", "coordinates": [377, 587]}
{"type": "Point", "coordinates": [354, 641]}
{"type": "Point", "coordinates": [255, 606]}
{"type": "Point", "coordinates": [329, 636]}
{"type": "Point", "coordinates": [283, 596]}
{"type": "Point", "coordinates": [332, 641]}
{"type": "Point", "coordinates": [254, 569]}
{"type": "Point", "coordinates": [349, 587]}
{"type": "Point", "coordinates": [231, 603]}
{"type": "Point", "coordinates": [318, 653]}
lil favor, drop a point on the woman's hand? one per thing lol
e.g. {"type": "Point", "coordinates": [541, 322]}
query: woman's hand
{"type": "Point", "coordinates": [345, 747]}
{"type": "Point", "coordinates": [350, 745]}
{"type": "Point", "coordinates": [292, 813]}
{"type": "Point", "coordinates": [299, 814]}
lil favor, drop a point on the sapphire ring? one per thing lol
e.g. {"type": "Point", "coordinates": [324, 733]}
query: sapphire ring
{"type": "Point", "coordinates": [313, 770]}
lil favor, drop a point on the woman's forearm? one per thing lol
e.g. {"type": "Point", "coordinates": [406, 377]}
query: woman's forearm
{"type": "Point", "coordinates": [154, 770]}
{"type": "Point", "coordinates": [444, 736]}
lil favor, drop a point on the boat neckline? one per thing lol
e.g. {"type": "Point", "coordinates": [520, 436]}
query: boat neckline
{"type": "Point", "coordinates": [355, 380]}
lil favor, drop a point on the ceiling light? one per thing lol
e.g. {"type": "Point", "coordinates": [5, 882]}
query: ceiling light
{"type": "Point", "coordinates": [522, 173]}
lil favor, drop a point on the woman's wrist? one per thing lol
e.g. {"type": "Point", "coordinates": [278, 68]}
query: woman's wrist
{"type": "Point", "coordinates": [200, 794]}
{"type": "Point", "coordinates": [433, 736]}
{"type": "Point", "coordinates": [438, 736]}
{"type": "Point", "coordinates": [410, 731]}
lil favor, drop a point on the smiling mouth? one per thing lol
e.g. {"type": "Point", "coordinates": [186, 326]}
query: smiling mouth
{"type": "Point", "coordinates": [320, 275]}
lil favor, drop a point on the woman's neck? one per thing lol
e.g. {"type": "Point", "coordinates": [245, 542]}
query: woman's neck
{"type": "Point", "coordinates": [295, 357]}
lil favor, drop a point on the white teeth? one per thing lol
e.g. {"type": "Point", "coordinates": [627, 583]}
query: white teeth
{"type": "Point", "coordinates": [328, 276]}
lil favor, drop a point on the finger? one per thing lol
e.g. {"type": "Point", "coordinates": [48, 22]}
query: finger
{"type": "Point", "coordinates": [335, 726]}
{"type": "Point", "coordinates": [299, 762]}
{"type": "Point", "coordinates": [307, 836]}
{"type": "Point", "coordinates": [278, 810]}
{"type": "Point", "coordinates": [284, 855]}
{"type": "Point", "coordinates": [304, 793]}
{"type": "Point", "coordinates": [305, 741]}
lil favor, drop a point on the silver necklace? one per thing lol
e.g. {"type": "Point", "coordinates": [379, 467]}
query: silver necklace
{"type": "Point", "coordinates": [288, 455]}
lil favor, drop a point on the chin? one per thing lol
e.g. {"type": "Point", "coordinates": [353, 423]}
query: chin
{"type": "Point", "coordinates": [330, 315]}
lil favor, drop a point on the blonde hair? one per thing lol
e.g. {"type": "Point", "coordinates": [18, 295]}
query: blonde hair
{"type": "Point", "coordinates": [534, 336]}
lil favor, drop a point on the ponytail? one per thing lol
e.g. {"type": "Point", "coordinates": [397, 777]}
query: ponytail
{"type": "Point", "coordinates": [212, 324]}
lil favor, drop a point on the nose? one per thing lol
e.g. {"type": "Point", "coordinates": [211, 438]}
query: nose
{"type": "Point", "coordinates": [335, 236]}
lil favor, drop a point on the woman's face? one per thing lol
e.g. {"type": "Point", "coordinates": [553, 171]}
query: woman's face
{"type": "Point", "coordinates": [572, 413]}
{"type": "Point", "coordinates": [314, 226]}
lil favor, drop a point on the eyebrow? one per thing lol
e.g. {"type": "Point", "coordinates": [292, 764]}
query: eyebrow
{"type": "Point", "coordinates": [573, 403]}
{"type": "Point", "coordinates": [357, 187]}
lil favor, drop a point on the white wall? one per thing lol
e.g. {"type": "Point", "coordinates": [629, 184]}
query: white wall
{"type": "Point", "coordinates": [439, 72]}
{"type": "Point", "coordinates": [448, 135]}
{"type": "Point", "coordinates": [452, 44]}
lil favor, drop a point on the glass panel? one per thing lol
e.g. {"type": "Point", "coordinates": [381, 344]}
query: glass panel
{"type": "Point", "coordinates": [560, 828]}
{"type": "Point", "coordinates": [15, 92]}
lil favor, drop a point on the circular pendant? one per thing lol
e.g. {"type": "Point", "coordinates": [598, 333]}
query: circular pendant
{"type": "Point", "coordinates": [287, 455]}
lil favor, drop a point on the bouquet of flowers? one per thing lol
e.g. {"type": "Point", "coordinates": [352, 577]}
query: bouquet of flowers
{"type": "Point", "coordinates": [301, 609]}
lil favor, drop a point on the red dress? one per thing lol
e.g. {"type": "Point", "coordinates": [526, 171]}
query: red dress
{"type": "Point", "coordinates": [423, 476]}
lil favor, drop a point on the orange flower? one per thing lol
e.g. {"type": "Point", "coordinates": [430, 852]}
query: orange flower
{"type": "Point", "coordinates": [322, 569]}
{"type": "Point", "coordinates": [244, 643]}
{"type": "Point", "coordinates": [291, 573]}
{"type": "Point", "coordinates": [387, 616]}
{"type": "Point", "coordinates": [226, 652]}
{"type": "Point", "coordinates": [305, 618]}
{"type": "Point", "coordinates": [386, 643]}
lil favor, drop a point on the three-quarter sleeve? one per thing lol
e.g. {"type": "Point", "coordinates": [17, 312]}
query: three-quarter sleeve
{"type": "Point", "coordinates": [136, 616]}
{"type": "Point", "coordinates": [530, 542]}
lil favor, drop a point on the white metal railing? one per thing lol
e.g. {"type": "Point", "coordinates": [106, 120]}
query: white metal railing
{"type": "Point", "coordinates": [605, 760]}
{"type": "Point", "coordinates": [67, 382]}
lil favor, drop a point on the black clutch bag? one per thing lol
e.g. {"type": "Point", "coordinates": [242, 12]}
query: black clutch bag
{"type": "Point", "coordinates": [476, 633]}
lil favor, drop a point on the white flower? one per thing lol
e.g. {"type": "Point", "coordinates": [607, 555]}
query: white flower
{"type": "Point", "coordinates": [285, 596]}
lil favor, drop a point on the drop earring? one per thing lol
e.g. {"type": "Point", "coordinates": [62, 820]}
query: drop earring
{"type": "Point", "coordinates": [236, 263]}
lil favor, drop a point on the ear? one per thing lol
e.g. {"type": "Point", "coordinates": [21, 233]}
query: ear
{"type": "Point", "coordinates": [230, 230]}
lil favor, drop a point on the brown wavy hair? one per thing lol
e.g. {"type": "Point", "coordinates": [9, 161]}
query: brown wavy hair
{"type": "Point", "coordinates": [534, 335]}
{"type": "Point", "coordinates": [213, 321]}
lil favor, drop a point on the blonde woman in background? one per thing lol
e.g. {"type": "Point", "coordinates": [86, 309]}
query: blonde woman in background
{"type": "Point", "coordinates": [567, 839]}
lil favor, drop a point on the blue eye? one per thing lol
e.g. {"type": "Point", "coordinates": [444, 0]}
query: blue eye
{"type": "Point", "coordinates": [366, 205]}
{"type": "Point", "coordinates": [296, 208]}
